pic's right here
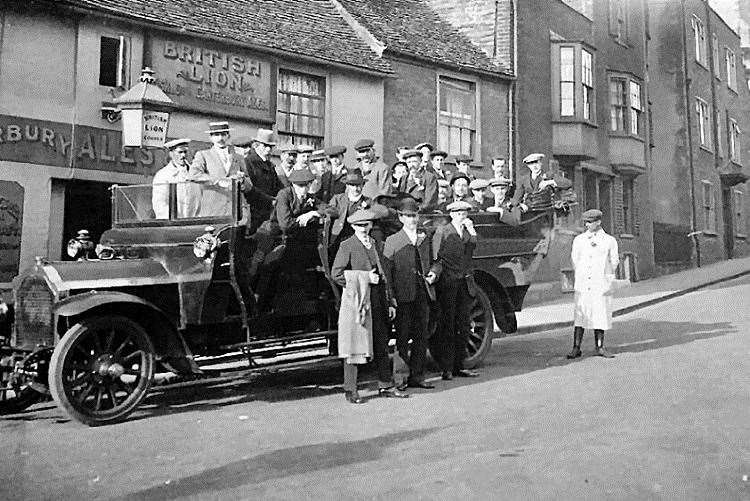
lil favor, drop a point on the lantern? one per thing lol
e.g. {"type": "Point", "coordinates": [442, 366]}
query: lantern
{"type": "Point", "coordinates": [145, 113]}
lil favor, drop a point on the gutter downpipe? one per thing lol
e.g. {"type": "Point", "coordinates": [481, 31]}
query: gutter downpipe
{"type": "Point", "coordinates": [512, 107]}
{"type": "Point", "coordinates": [693, 231]}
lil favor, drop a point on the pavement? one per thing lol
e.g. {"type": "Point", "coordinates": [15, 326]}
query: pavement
{"type": "Point", "coordinates": [559, 312]}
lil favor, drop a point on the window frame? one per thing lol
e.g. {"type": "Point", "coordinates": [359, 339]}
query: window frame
{"type": "Point", "coordinates": [699, 42]}
{"type": "Point", "coordinates": [476, 143]}
{"type": "Point", "coordinates": [298, 137]}
{"type": "Point", "coordinates": [123, 60]}
{"type": "Point", "coordinates": [571, 82]}
{"type": "Point", "coordinates": [734, 134]}
{"type": "Point", "coordinates": [731, 69]}
{"type": "Point", "coordinates": [709, 207]}
{"type": "Point", "coordinates": [627, 106]}
{"type": "Point", "coordinates": [704, 123]}
{"type": "Point", "coordinates": [578, 84]}
{"type": "Point", "coordinates": [588, 88]}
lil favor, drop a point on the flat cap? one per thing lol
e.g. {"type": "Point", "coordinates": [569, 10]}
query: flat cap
{"type": "Point", "coordinates": [362, 216]}
{"type": "Point", "coordinates": [533, 157]}
{"type": "Point", "coordinates": [500, 181]}
{"type": "Point", "coordinates": [411, 153]}
{"type": "Point", "coordinates": [449, 161]}
{"type": "Point", "coordinates": [355, 177]}
{"type": "Point", "coordinates": [592, 215]}
{"type": "Point", "coordinates": [305, 148]}
{"type": "Point", "coordinates": [318, 155]}
{"type": "Point", "coordinates": [333, 151]}
{"type": "Point", "coordinates": [459, 175]}
{"type": "Point", "coordinates": [424, 145]}
{"type": "Point", "coordinates": [479, 184]}
{"type": "Point", "coordinates": [443, 183]}
{"type": "Point", "coordinates": [364, 144]}
{"type": "Point", "coordinates": [174, 143]}
{"type": "Point", "coordinates": [463, 158]}
{"type": "Point", "coordinates": [242, 141]}
{"type": "Point", "coordinates": [459, 205]}
{"type": "Point", "coordinates": [301, 176]}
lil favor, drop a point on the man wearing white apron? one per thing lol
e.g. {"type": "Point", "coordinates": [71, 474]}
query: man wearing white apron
{"type": "Point", "coordinates": [595, 258]}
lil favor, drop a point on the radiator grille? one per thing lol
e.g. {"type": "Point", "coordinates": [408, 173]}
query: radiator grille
{"type": "Point", "coordinates": [33, 311]}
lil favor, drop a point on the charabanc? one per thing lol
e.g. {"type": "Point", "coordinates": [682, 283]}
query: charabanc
{"type": "Point", "coordinates": [175, 295]}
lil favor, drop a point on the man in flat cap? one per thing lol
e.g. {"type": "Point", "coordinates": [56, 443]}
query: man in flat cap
{"type": "Point", "coordinates": [319, 168]}
{"type": "Point", "coordinates": [288, 156]}
{"type": "Point", "coordinates": [453, 247]}
{"type": "Point", "coordinates": [412, 272]}
{"type": "Point", "coordinates": [459, 184]}
{"type": "Point", "coordinates": [479, 197]}
{"type": "Point", "coordinates": [216, 168]}
{"type": "Point", "coordinates": [334, 184]}
{"type": "Point", "coordinates": [345, 204]}
{"type": "Point", "coordinates": [425, 149]}
{"type": "Point", "coordinates": [304, 152]}
{"type": "Point", "coordinates": [262, 172]}
{"type": "Point", "coordinates": [595, 257]}
{"type": "Point", "coordinates": [536, 180]}
{"type": "Point", "coordinates": [175, 172]}
{"type": "Point", "coordinates": [377, 174]}
{"type": "Point", "coordinates": [463, 165]}
{"type": "Point", "coordinates": [422, 184]}
{"type": "Point", "coordinates": [438, 157]}
{"type": "Point", "coordinates": [501, 203]}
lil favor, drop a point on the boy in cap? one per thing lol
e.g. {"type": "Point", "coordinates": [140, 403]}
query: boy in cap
{"type": "Point", "coordinates": [304, 152]}
{"type": "Point", "coordinates": [216, 167]}
{"type": "Point", "coordinates": [176, 171]}
{"type": "Point", "coordinates": [421, 183]}
{"type": "Point", "coordinates": [536, 180]}
{"type": "Point", "coordinates": [501, 202]}
{"type": "Point", "coordinates": [288, 156]}
{"type": "Point", "coordinates": [453, 248]}
{"type": "Point", "coordinates": [377, 174]}
{"type": "Point", "coordinates": [595, 257]}
{"type": "Point", "coordinates": [411, 272]}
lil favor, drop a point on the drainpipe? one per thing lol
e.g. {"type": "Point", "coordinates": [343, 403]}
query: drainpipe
{"type": "Point", "coordinates": [693, 230]}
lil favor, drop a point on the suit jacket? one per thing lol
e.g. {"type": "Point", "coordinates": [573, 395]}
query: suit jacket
{"type": "Point", "coordinates": [265, 186]}
{"type": "Point", "coordinates": [453, 252]}
{"type": "Point", "coordinates": [207, 167]}
{"type": "Point", "coordinates": [331, 185]}
{"type": "Point", "coordinates": [446, 174]}
{"type": "Point", "coordinates": [352, 255]}
{"type": "Point", "coordinates": [528, 185]}
{"type": "Point", "coordinates": [340, 207]}
{"type": "Point", "coordinates": [288, 207]}
{"type": "Point", "coordinates": [378, 181]}
{"type": "Point", "coordinates": [426, 191]}
{"type": "Point", "coordinates": [282, 176]}
{"type": "Point", "coordinates": [401, 268]}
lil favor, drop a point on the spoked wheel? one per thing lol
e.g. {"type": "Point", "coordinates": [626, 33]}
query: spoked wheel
{"type": "Point", "coordinates": [482, 327]}
{"type": "Point", "coordinates": [102, 369]}
{"type": "Point", "coordinates": [23, 380]}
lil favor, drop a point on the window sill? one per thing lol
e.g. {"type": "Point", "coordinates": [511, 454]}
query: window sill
{"type": "Point", "coordinates": [625, 135]}
{"type": "Point", "coordinates": [740, 236]}
{"type": "Point", "coordinates": [710, 233]}
{"type": "Point", "coordinates": [736, 163]}
{"type": "Point", "coordinates": [627, 236]}
{"type": "Point", "coordinates": [701, 64]}
{"type": "Point", "coordinates": [706, 149]}
{"type": "Point", "coordinates": [574, 120]}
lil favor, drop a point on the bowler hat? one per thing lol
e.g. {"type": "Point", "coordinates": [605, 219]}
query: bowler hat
{"type": "Point", "coordinates": [364, 144]}
{"type": "Point", "coordinates": [362, 216]}
{"type": "Point", "coordinates": [174, 143]}
{"type": "Point", "coordinates": [354, 177]}
{"type": "Point", "coordinates": [424, 145]}
{"type": "Point", "coordinates": [463, 158]}
{"type": "Point", "coordinates": [216, 127]}
{"type": "Point", "coordinates": [591, 215]}
{"type": "Point", "coordinates": [459, 205]}
{"type": "Point", "coordinates": [459, 175]}
{"type": "Point", "coordinates": [408, 206]}
{"type": "Point", "coordinates": [411, 153]}
{"type": "Point", "coordinates": [264, 136]}
{"type": "Point", "coordinates": [301, 176]}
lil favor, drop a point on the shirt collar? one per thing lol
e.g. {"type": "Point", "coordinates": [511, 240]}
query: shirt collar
{"type": "Point", "coordinates": [412, 235]}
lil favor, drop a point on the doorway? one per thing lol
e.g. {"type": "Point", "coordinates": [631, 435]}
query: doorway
{"type": "Point", "coordinates": [728, 217]}
{"type": "Point", "coordinates": [87, 206]}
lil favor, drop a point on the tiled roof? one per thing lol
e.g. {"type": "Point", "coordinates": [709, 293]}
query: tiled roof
{"type": "Point", "coordinates": [312, 28]}
{"type": "Point", "coordinates": [412, 28]}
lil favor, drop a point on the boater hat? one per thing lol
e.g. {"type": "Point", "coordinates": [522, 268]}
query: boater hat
{"type": "Point", "coordinates": [479, 184]}
{"type": "Point", "coordinates": [305, 148]}
{"type": "Point", "coordinates": [301, 177]}
{"type": "Point", "coordinates": [459, 205]}
{"type": "Point", "coordinates": [318, 155]}
{"type": "Point", "coordinates": [174, 143]}
{"type": "Point", "coordinates": [591, 215]}
{"type": "Point", "coordinates": [217, 127]}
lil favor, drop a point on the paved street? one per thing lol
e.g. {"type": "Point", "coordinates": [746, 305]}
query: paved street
{"type": "Point", "coordinates": [666, 419]}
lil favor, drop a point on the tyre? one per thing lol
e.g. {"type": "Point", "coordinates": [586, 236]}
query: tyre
{"type": "Point", "coordinates": [101, 369]}
{"type": "Point", "coordinates": [21, 387]}
{"type": "Point", "coordinates": [481, 331]}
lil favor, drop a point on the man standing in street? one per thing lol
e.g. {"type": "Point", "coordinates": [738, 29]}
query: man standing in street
{"type": "Point", "coordinates": [411, 272]}
{"type": "Point", "coordinates": [595, 258]}
{"type": "Point", "coordinates": [377, 174]}
{"type": "Point", "coordinates": [175, 172]}
{"type": "Point", "coordinates": [266, 183]}
{"type": "Point", "coordinates": [453, 246]}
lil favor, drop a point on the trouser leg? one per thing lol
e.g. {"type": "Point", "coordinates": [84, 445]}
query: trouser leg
{"type": "Point", "coordinates": [447, 298]}
{"type": "Point", "coordinates": [420, 319]}
{"type": "Point", "coordinates": [380, 336]}
{"type": "Point", "coordinates": [401, 369]}
{"type": "Point", "coordinates": [462, 325]}
{"type": "Point", "coordinates": [350, 377]}
{"type": "Point", "coordinates": [577, 339]}
{"type": "Point", "coordinates": [599, 340]}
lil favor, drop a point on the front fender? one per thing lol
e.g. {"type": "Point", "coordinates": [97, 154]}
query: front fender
{"type": "Point", "coordinates": [81, 303]}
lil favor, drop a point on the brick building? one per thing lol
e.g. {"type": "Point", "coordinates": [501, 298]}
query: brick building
{"type": "Point", "coordinates": [700, 108]}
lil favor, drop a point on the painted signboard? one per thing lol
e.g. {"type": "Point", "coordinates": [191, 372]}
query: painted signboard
{"type": "Point", "coordinates": [214, 79]}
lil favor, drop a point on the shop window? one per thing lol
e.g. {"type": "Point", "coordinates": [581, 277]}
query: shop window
{"type": "Point", "coordinates": [731, 64]}
{"type": "Point", "coordinates": [709, 207]}
{"type": "Point", "coordinates": [699, 40]}
{"type": "Point", "coordinates": [114, 58]}
{"type": "Point", "coordinates": [740, 228]}
{"type": "Point", "coordinates": [457, 119]}
{"type": "Point", "coordinates": [717, 61]}
{"type": "Point", "coordinates": [597, 193]}
{"type": "Point", "coordinates": [628, 205]}
{"type": "Point", "coordinates": [300, 116]}
{"type": "Point", "coordinates": [734, 141]}
{"type": "Point", "coordinates": [704, 122]}
{"type": "Point", "coordinates": [618, 20]}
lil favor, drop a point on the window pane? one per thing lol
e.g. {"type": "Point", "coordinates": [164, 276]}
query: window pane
{"type": "Point", "coordinates": [108, 58]}
{"type": "Point", "coordinates": [301, 108]}
{"type": "Point", "coordinates": [567, 102]}
{"type": "Point", "coordinates": [566, 63]}
{"type": "Point", "coordinates": [587, 74]}
{"type": "Point", "coordinates": [635, 95]}
{"type": "Point", "coordinates": [457, 115]}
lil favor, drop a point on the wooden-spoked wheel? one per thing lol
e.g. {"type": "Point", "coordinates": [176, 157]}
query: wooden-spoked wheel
{"type": "Point", "coordinates": [23, 380]}
{"type": "Point", "coordinates": [481, 329]}
{"type": "Point", "coordinates": [102, 369]}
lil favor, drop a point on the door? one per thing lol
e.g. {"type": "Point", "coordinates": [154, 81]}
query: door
{"type": "Point", "coordinates": [87, 206]}
{"type": "Point", "coordinates": [728, 217]}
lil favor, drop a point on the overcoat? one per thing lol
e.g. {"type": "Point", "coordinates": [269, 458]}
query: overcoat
{"type": "Point", "coordinates": [426, 190]}
{"type": "Point", "coordinates": [340, 207]}
{"type": "Point", "coordinates": [378, 181]}
{"type": "Point", "coordinates": [208, 167]}
{"type": "Point", "coordinates": [595, 258]}
{"type": "Point", "coordinates": [401, 265]}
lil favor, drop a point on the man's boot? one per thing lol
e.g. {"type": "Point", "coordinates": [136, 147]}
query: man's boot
{"type": "Point", "coordinates": [577, 340]}
{"type": "Point", "coordinates": [599, 340]}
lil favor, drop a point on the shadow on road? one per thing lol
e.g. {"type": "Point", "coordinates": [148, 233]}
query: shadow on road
{"type": "Point", "coordinates": [509, 357]}
{"type": "Point", "coordinates": [281, 463]}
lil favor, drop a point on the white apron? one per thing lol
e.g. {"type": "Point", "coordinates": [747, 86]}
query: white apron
{"type": "Point", "coordinates": [595, 258]}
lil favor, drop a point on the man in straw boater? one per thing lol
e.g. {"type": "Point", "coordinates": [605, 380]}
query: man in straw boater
{"type": "Point", "coordinates": [175, 172]}
{"type": "Point", "coordinates": [216, 168]}
{"type": "Point", "coordinates": [595, 258]}
{"type": "Point", "coordinates": [412, 272]}
{"type": "Point", "coordinates": [363, 332]}
{"type": "Point", "coordinates": [453, 247]}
